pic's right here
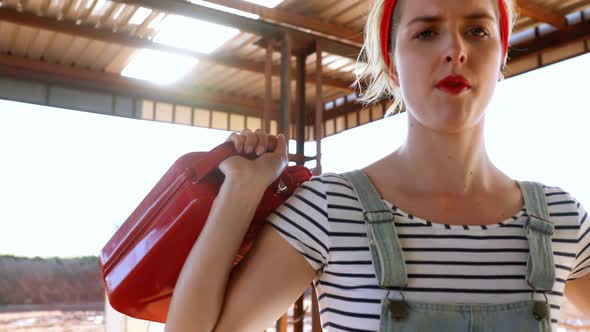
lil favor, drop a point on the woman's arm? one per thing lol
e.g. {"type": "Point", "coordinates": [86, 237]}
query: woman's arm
{"type": "Point", "coordinates": [270, 279]}
{"type": "Point", "coordinates": [264, 285]}
{"type": "Point", "coordinates": [198, 294]}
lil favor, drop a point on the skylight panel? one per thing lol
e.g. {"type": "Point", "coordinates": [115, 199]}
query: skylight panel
{"type": "Point", "coordinates": [192, 34]}
{"type": "Point", "coordinates": [153, 25]}
{"type": "Point", "coordinates": [348, 68]}
{"type": "Point", "coordinates": [75, 5]}
{"type": "Point", "coordinates": [159, 67]}
{"type": "Point", "coordinates": [339, 63]}
{"type": "Point", "coordinates": [266, 3]}
{"type": "Point", "coordinates": [101, 7]}
{"type": "Point", "coordinates": [225, 9]}
{"type": "Point", "coordinates": [118, 12]}
{"type": "Point", "coordinates": [140, 16]}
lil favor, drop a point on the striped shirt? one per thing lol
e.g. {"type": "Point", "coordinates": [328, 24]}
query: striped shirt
{"type": "Point", "coordinates": [445, 263]}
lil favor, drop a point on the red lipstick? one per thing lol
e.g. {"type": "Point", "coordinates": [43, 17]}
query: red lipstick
{"type": "Point", "coordinates": [454, 84]}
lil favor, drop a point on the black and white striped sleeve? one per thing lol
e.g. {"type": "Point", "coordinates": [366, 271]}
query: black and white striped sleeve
{"type": "Point", "coordinates": [582, 263]}
{"type": "Point", "coordinates": [303, 221]}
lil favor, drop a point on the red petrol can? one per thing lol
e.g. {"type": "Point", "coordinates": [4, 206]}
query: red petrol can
{"type": "Point", "coordinates": [142, 261]}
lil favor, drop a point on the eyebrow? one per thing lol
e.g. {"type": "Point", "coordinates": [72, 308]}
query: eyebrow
{"type": "Point", "coordinates": [432, 19]}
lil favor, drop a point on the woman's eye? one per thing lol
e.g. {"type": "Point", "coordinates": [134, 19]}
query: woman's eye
{"type": "Point", "coordinates": [478, 32]}
{"type": "Point", "coordinates": [425, 34]}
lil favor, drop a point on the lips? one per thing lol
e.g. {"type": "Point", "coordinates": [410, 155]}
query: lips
{"type": "Point", "coordinates": [454, 84]}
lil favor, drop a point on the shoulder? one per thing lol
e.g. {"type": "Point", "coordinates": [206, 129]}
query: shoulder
{"type": "Point", "coordinates": [333, 179]}
{"type": "Point", "coordinates": [563, 208]}
{"type": "Point", "coordinates": [556, 196]}
{"type": "Point", "coordinates": [335, 185]}
{"type": "Point", "coordinates": [572, 231]}
{"type": "Point", "coordinates": [329, 182]}
{"type": "Point", "coordinates": [559, 199]}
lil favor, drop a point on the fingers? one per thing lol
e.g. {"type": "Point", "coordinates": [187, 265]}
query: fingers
{"type": "Point", "coordinates": [239, 141]}
{"type": "Point", "coordinates": [262, 142]}
{"type": "Point", "coordinates": [248, 142]}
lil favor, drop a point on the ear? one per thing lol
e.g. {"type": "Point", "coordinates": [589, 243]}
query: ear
{"type": "Point", "coordinates": [393, 74]}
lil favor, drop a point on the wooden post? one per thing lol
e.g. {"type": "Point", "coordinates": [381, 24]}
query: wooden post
{"type": "Point", "coordinates": [282, 323]}
{"type": "Point", "coordinates": [301, 114]}
{"type": "Point", "coordinates": [298, 315]}
{"type": "Point", "coordinates": [540, 54]}
{"type": "Point", "coordinates": [285, 113]}
{"type": "Point", "coordinates": [268, 86]}
{"type": "Point", "coordinates": [319, 109]}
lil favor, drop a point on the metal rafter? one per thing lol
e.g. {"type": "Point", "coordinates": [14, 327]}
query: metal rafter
{"type": "Point", "coordinates": [45, 8]}
{"type": "Point", "coordinates": [88, 11]}
{"type": "Point", "coordinates": [542, 14]}
{"type": "Point", "coordinates": [107, 15]}
{"type": "Point", "coordinates": [578, 32]}
{"type": "Point", "coordinates": [65, 9]}
{"type": "Point", "coordinates": [180, 7]}
{"type": "Point", "coordinates": [300, 22]}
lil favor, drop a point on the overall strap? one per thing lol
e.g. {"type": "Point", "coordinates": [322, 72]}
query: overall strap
{"type": "Point", "coordinates": [539, 229]}
{"type": "Point", "coordinates": [386, 251]}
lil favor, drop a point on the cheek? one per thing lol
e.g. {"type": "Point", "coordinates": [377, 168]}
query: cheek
{"type": "Point", "coordinates": [489, 69]}
{"type": "Point", "coordinates": [415, 75]}
{"type": "Point", "coordinates": [490, 55]}
{"type": "Point", "coordinates": [413, 68]}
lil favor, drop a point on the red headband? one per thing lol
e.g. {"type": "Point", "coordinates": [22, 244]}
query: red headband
{"type": "Point", "coordinates": [386, 20]}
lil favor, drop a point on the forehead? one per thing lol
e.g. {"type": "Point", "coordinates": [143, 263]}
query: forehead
{"type": "Point", "coordinates": [445, 8]}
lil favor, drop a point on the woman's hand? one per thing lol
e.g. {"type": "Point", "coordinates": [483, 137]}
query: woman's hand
{"type": "Point", "coordinates": [267, 165]}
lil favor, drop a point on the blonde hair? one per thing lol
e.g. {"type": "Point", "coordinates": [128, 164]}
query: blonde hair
{"type": "Point", "coordinates": [374, 80]}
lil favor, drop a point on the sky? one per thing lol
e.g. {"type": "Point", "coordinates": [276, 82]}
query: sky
{"type": "Point", "coordinates": [68, 179]}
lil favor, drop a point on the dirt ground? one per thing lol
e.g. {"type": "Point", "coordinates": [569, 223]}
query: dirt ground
{"type": "Point", "coordinates": [91, 319]}
{"type": "Point", "coordinates": [52, 321]}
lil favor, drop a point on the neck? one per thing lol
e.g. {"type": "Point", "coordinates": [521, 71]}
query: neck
{"type": "Point", "coordinates": [445, 163]}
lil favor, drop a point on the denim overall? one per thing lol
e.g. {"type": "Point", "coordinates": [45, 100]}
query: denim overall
{"type": "Point", "coordinates": [390, 271]}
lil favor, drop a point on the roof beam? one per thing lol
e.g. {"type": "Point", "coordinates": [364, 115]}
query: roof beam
{"type": "Point", "coordinates": [38, 71]}
{"type": "Point", "coordinates": [539, 13]}
{"type": "Point", "coordinates": [299, 22]}
{"type": "Point", "coordinates": [346, 108]}
{"type": "Point", "coordinates": [108, 36]}
{"type": "Point", "coordinates": [258, 67]}
{"type": "Point", "coordinates": [555, 39]}
{"type": "Point", "coordinates": [340, 47]}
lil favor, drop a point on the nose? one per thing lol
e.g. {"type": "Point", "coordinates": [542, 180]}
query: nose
{"type": "Point", "coordinates": [456, 52]}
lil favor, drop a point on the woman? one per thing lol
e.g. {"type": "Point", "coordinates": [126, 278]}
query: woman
{"type": "Point", "coordinates": [463, 253]}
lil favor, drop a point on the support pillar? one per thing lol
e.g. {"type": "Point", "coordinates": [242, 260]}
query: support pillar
{"type": "Point", "coordinates": [319, 109]}
{"type": "Point", "coordinates": [285, 109]}
{"type": "Point", "coordinates": [301, 113]}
